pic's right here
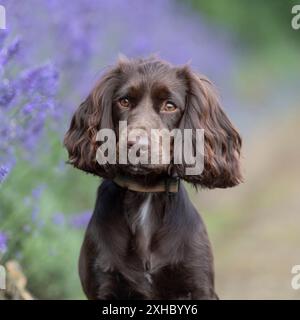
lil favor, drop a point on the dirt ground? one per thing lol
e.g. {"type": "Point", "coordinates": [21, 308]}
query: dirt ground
{"type": "Point", "coordinates": [255, 262]}
{"type": "Point", "coordinates": [255, 227]}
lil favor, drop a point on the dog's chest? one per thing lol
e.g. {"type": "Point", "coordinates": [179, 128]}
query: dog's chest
{"type": "Point", "coordinates": [142, 225]}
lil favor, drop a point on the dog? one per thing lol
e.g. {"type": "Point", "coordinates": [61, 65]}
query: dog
{"type": "Point", "coordinates": [145, 239]}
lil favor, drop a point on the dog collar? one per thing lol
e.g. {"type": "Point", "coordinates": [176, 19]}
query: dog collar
{"type": "Point", "coordinates": [169, 184]}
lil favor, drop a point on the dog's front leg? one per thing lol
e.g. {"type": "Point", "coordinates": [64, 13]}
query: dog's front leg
{"type": "Point", "coordinates": [100, 282]}
{"type": "Point", "coordinates": [96, 284]}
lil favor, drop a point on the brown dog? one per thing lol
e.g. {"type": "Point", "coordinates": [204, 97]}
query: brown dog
{"type": "Point", "coordinates": [145, 239]}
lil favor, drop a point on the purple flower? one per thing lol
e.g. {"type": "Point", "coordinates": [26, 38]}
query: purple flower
{"type": "Point", "coordinates": [42, 80]}
{"type": "Point", "coordinates": [35, 213]}
{"type": "Point", "coordinates": [81, 220]}
{"type": "Point", "coordinates": [35, 196]}
{"type": "Point", "coordinates": [37, 192]}
{"type": "Point", "coordinates": [7, 93]}
{"type": "Point", "coordinates": [4, 171]}
{"type": "Point", "coordinates": [3, 34]}
{"type": "Point", "coordinates": [3, 242]}
{"type": "Point", "coordinates": [58, 219]}
{"type": "Point", "coordinates": [26, 103]}
{"type": "Point", "coordinates": [80, 43]}
{"type": "Point", "coordinates": [6, 54]}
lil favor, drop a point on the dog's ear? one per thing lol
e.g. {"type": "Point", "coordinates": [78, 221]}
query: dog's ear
{"type": "Point", "coordinates": [92, 115]}
{"type": "Point", "coordinates": [222, 142]}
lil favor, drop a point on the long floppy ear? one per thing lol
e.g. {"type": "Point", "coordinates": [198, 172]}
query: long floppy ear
{"type": "Point", "coordinates": [222, 142]}
{"type": "Point", "coordinates": [92, 115]}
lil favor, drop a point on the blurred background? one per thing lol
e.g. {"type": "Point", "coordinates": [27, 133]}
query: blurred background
{"type": "Point", "coordinates": [51, 54]}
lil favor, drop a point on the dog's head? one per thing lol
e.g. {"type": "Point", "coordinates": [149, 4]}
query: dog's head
{"type": "Point", "coordinates": [149, 94]}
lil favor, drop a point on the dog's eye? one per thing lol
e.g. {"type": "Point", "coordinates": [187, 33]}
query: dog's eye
{"type": "Point", "coordinates": [168, 106]}
{"type": "Point", "coordinates": [124, 102]}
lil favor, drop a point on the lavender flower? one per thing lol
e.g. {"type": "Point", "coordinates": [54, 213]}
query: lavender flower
{"type": "Point", "coordinates": [7, 93]}
{"type": "Point", "coordinates": [27, 100]}
{"type": "Point", "coordinates": [84, 36]}
{"type": "Point", "coordinates": [37, 192]}
{"type": "Point", "coordinates": [81, 220]}
{"type": "Point", "coordinates": [7, 53]}
{"type": "Point", "coordinates": [58, 219]}
{"type": "Point", "coordinates": [35, 213]}
{"type": "Point", "coordinates": [3, 35]}
{"type": "Point", "coordinates": [41, 80]}
{"type": "Point", "coordinates": [4, 171]}
{"type": "Point", "coordinates": [3, 242]}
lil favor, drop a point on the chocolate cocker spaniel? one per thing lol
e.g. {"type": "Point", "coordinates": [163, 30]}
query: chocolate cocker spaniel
{"type": "Point", "coordinates": [145, 239]}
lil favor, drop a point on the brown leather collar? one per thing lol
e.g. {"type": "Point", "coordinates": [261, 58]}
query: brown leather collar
{"type": "Point", "coordinates": [167, 185]}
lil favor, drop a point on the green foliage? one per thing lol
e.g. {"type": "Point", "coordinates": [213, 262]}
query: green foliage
{"type": "Point", "coordinates": [47, 251]}
{"type": "Point", "coordinates": [260, 24]}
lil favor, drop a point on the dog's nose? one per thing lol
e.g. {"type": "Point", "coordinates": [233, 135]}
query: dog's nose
{"type": "Point", "coordinates": [142, 142]}
{"type": "Point", "coordinates": [130, 143]}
